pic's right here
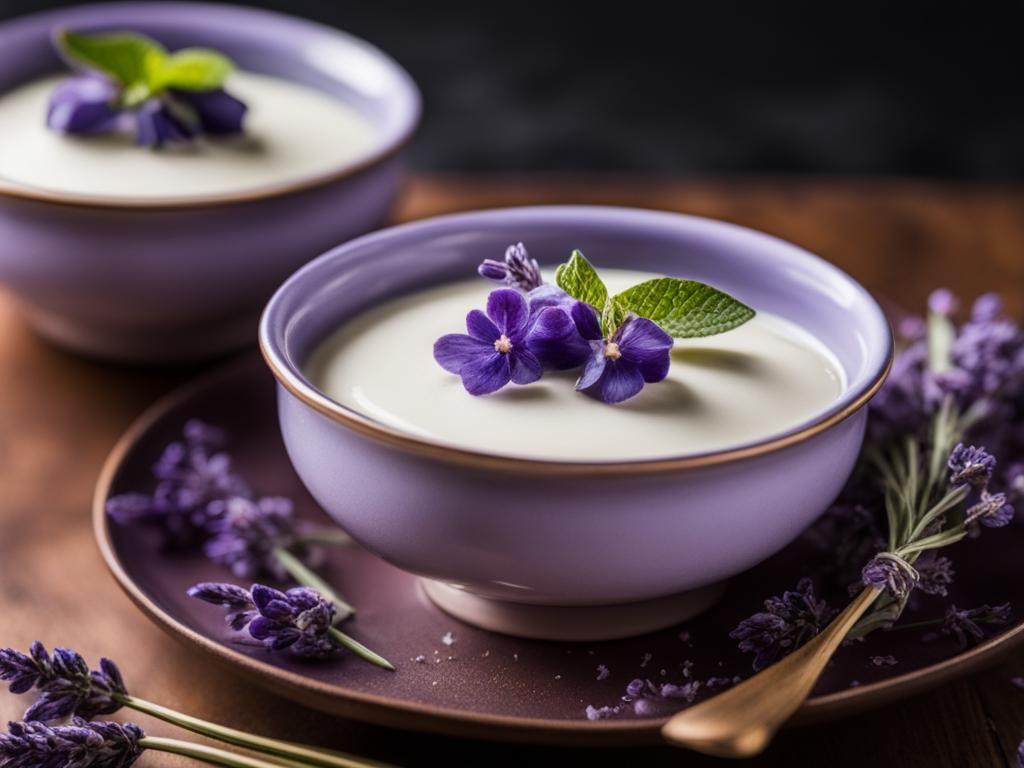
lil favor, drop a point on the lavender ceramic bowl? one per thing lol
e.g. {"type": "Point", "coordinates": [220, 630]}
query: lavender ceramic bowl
{"type": "Point", "coordinates": [569, 550]}
{"type": "Point", "coordinates": [185, 277]}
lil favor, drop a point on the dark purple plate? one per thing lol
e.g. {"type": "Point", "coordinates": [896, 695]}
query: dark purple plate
{"type": "Point", "coordinates": [489, 685]}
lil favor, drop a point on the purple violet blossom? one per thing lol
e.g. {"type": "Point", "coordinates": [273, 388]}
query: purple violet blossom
{"type": "Point", "coordinates": [495, 351]}
{"type": "Point", "coordinates": [786, 623]}
{"type": "Point", "coordinates": [247, 532]}
{"type": "Point", "coordinates": [190, 475]}
{"type": "Point", "coordinates": [66, 684]}
{"type": "Point", "coordinates": [158, 123]}
{"type": "Point", "coordinates": [967, 626]}
{"type": "Point", "coordinates": [518, 270]}
{"type": "Point", "coordinates": [217, 112]}
{"type": "Point", "coordinates": [83, 105]}
{"type": "Point", "coordinates": [298, 619]}
{"type": "Point", "coordinates": [968, 464]}
{"type": "Point", "coordinates": [82, 744]}
{"type": "Point", "coordinates": [635, 354]}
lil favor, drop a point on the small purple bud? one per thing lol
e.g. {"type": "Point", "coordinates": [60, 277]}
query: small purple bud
{"type": "Point", "coordinates": [943, 302]}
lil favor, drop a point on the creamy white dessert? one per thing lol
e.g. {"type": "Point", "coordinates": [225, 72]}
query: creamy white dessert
{"type": "Point", "coordinates": [756, 381]}
{"type": "Point", "coordinates": [291, 131]}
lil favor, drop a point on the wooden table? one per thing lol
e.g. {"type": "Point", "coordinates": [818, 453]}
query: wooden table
{"type": "Point", "coordinates": [60, 415]}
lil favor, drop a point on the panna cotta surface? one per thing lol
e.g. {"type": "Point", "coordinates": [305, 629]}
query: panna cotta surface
{"type": "Point", "coordinates": [759, 380]}
{"type": "Point", "coordinates": [291, 131]}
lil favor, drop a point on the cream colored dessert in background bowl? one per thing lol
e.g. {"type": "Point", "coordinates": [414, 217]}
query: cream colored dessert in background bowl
{"type": "Point", "coordinates": [292, 131]}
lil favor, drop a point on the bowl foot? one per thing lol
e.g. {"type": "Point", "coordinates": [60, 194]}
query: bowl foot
{"type": "Point", "coordinates": [578, 622]}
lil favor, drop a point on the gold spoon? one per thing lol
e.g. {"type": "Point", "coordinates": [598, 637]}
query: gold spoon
{"type": "Point", "coordinates": [741, 721]}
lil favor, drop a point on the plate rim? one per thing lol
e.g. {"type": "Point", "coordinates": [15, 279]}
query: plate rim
{"type": "Point", "coordinates": [400, 713]}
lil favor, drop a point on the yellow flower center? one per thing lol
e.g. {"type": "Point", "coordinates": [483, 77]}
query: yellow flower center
{"type": "Point", "coordinates": [611, 351]}
{"type": "Point", "coordinates": [503, 345]}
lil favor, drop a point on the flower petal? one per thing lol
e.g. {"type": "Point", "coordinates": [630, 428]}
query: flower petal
{"type": "Point", "coordinates": [523, 366]}
{"type": "Point", "coordinates": [620, 381]}
{"type": "Point", "coordinates": [482, 375]}
{"type": "Point", "coordinates": [452, 351]}
{"type": "Point", "coordinates": [594, 368]}
{"type": "Point", "coordinates": [481, 327]}
{"type": "Point", "coordinates": [157, 125]}
{"type": "Point", "coordinates": [586, 319]}
{"type": "Point", "coordinates": [507, 308]}
{"type": "Point", "coordinates": [82, 105]}
{"type": "Point", "coordinates": [219, 112]}
{"type": "Point", "coordinates": [553, 338]}
{"type": "Point", "coordinates": [644, 344]}
{"type": "Point", "coordinates": [548, 295]}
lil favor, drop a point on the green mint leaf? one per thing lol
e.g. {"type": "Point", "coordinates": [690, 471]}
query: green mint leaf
{"type": "Point", "coordinates": [191, 69]}
{"type": "Point", "coordinates": [685, 308]}
{"type": "Point", "coordinates": [579, 279]}
{"type": "Point", "coordinates": [126, 57]}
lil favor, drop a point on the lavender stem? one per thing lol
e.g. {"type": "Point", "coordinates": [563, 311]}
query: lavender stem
{"type": "Point", "coordinates": [205, 754]}
{"type": "Point", "coordinates": [308, 578]}
{"type": "Point", "coordinates": [299, 753]}
{"type": "Point", "coordinates": [360, 650]}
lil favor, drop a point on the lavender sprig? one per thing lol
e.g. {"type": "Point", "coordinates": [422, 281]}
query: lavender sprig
{"type": "Point", "coordinates": [300, 619]}
{"type": "Point", "coordinates": [68, 688]}
{"type": "Point", "coordinates": [82, 744]}
{"type": "Point", "coordinates": [518, 270]}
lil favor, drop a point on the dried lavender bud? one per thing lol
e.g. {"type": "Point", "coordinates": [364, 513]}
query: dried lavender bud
{"type": "Point", "coordinates": [968, 464]}
{"type": "Point", "coordinates": [991, 511]}
{"type": "Point", "coordinates": [82, 744]}
{"type": "Point", "coordinates": [943, 302]}
{"type": "Point", "coordinates": [968, 626]}
{"type": "Point", "coordinates": [890, 573]}
{"type": "Point", "coordinates": [935, 574]}
{"type": "Point", "coordinates": [786, 623]}
{"type": "Point", "coordinates": [299, 619]}
{"type": "Point", "coordinates": [246, 533]}
{"type": "Point", "coordinates": [66, 684]}
{"type": "Point", "coordinates": [190, 474]}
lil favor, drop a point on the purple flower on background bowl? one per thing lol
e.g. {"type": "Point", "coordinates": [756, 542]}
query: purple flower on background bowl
{"type": "Point", "coordinates": [572, 550]}
{"type": "Point", "coordinates": [184, 277]}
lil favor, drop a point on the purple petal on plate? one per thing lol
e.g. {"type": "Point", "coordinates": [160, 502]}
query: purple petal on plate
{"type": "Point", "coordinates": [454, 350]}
{"type": "Point", "coordinates": [82, 105]}
{"type": "Point", "coordinates": [553, 338]}
{"type": "Point", "coordinates": [483, 375]}
{"type": "Point", "coordinates": [219, 112]}
{"type": "Point", "coordinates": [594, 368]}
{"type": "Point", "coordinates": [156, 125]}
{"type": "Point", "coordinates": [480, 327]}
{"type": "Point", "coordinates": [523, 366]}
{"type": "Point", "coordinates": [263, 595]}
{"type": "Point", "coordinates": [644, 344]}
{"type": "Point", "coordinates": [587, 321]}
{"type": "Point", "coordinates": [619, 382]}
{"type": "Point", "coordinates": [507, 308]}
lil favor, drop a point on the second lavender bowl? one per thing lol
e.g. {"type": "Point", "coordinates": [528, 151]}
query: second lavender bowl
{"type": "Point", "coordinates": [572, 550]}
{"type": "Point", "coordinates": [185, 277]}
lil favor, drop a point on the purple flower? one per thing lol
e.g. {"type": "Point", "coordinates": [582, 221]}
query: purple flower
{"type": "Point", "coordinates": [518, 270]}
{"type": "Point", "coordinates": [218, 112]}
{"type": "Point", "coordinates": [967, 626]}
{"type": "Point", "coordinates": [942, 301]}
{"type": "Point", "coordinates": [298, 619]}
{"type": "Point", "coordinates": [158, 123]}
{"type": "Point", "coordinates": [935, 574]}
{"type": "Point", "coordinates": [82, 744]}
{"type": "Point", "coordinates": [991, 511]}
{"type": "Point", "coordinates": [83, 105]}
{"type": "Point", "coordinates": [246, 533]}
{"type": "Point", "coordinates": [987, 308]}
{"type": "Point", "coordinates": [786, 623]}
{"type": "Point", "coordinates": [66, 684]}
{"type": "Point", "coordinates": [495, 351]}
{"type": "Point", "coordinates": [190, 475]}
{"type": "Point", "coordinates": [646, 695]}
{"type": "Point", "coordinates": [891, 574]}
{"type": "Point", "coordinates": [968, 464]}
{"type": "Point", "coordinates": [618, 367]}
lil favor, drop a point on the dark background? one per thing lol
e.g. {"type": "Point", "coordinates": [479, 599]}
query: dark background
{"type": "Point", "coordinates": [687, 88]}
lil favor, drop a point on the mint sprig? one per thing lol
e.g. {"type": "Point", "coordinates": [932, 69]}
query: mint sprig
{"type": "Point", "coordinates": [142, 66]}
{"type": "Point", "coordinates": [683, 308]}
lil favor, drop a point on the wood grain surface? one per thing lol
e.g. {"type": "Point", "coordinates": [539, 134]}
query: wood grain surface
{"type": "Point", "coordinates": [61, 414]}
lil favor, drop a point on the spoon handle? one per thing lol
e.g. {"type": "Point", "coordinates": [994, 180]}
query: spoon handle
{"type": "Point", "coordinates": [741, 721]}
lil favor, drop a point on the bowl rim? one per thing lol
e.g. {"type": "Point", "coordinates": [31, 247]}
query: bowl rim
{"type": "Point", "coordinates": [294, 381]}
{"type": "Point", "coordinates": [381, 151]}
